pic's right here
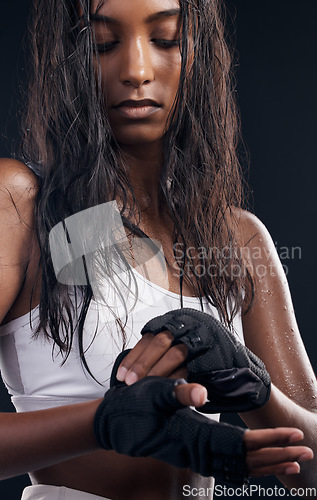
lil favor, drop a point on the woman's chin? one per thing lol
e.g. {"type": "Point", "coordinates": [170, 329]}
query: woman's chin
{"type": "Point", "coordinates": [137, 140]}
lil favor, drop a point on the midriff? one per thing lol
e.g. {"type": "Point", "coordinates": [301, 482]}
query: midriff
{"type": "Point", "coordinates": [119, 477]}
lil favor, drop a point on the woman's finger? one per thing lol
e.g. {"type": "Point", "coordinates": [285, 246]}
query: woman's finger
{"type": "Point", "coordinates": [191, 394]}
{"type": "Point", "coordinates": [133, 356]}
{"type": "Point", "coordinates": [153, 356]}
{"type": "Point", "coordinates": [284, 469]}
{"type": "Point", "coordinates": [154, 350]}
{"type": "Point", "coordinates": [280, 436]}
{"type": "Point", "coordinates": [264, 457]}
{"type": "Point", "coordinates": [170, 362]}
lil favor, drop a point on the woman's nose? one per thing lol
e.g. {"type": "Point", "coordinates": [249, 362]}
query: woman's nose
{"type": "Point", "coordinates": [136, 64]}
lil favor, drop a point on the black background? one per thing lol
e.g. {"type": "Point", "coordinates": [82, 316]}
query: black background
{"type": "Point", "coordinates": [276, 43]}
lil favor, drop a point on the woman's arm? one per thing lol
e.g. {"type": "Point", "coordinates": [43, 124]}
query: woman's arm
{"type": "Point", "coordinates": [34, 440]}
{"type": "Point", "coordinates": [18, 189]}
{"type": "Point", "coordinates": [271, 332]}
{"type": "Point", "coordinates": [31, 440]}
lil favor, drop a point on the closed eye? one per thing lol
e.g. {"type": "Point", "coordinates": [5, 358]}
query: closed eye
{"type": "Point", "coordinates": [166, 44]}
{"type": "Point", "coordinates": [106, 47]}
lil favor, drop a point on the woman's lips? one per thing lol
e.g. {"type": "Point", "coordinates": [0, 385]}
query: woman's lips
{"type": "Point", "coordinates": [137, 109]}
{"type": "Point", "coordinates": [142, 112]}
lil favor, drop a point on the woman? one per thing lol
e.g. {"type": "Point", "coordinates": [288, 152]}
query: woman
{"type": "Point", "coordinates": [169, 162]}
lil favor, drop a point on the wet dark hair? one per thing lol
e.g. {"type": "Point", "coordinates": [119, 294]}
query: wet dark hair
{"type": "Point", "coordinates": [68, 139]}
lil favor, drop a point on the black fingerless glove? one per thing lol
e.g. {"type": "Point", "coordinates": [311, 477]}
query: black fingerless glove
{"type": "Point", "coordinates": [146, 420]}
{"type": "Point", "coordinates": [235, 378]}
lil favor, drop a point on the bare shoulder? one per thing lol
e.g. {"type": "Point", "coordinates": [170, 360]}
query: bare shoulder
{"type": "Point", "coordinates": [18, 189]}
{"type": "Point", "coordinates": [256, 243]}
{"type": "Point", "coordinates": [251, 229]}
{"type": "Point", "coordinates": [17, 179]}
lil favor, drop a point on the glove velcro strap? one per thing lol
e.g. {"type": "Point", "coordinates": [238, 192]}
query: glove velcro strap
{"type": "Point", "coordinates": [183, 327]}
{"type": "Point", "coordinates": [167, 322]}
{"type": "Point", "coordinates": [178, 322]}
{"type": "Point", "coordinates": [231, 389]}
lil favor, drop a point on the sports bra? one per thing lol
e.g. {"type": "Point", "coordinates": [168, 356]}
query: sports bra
{"type": "Point", "coordinates": [33, 370]}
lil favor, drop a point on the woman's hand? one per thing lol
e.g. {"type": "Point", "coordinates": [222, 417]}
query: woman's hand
{"type": "Point", "coordinates": [236, 380]}
{"type": "Point", "coordinates": [270, 451]}
{"type": "Point", "coordinates": [149, 419]}
{"type": "Point", "coordinates": [154, 356]}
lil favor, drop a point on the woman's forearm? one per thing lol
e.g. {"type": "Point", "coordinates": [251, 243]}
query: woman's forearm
{"type": "Point", "coordinates": [280, 411]}
{"type": "Point", "coordinates": [33, 440]}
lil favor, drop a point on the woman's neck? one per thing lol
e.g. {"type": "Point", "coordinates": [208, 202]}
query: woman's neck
{"type": "Point", "coordinates": [143, 167]}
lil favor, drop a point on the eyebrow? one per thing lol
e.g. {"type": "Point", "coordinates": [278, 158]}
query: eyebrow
{"type": "Point", "coordinates": [151, 19]}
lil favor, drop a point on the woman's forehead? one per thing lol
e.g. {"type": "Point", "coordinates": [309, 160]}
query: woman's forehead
{"type": "Point", "coordinates": [144, 6]}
